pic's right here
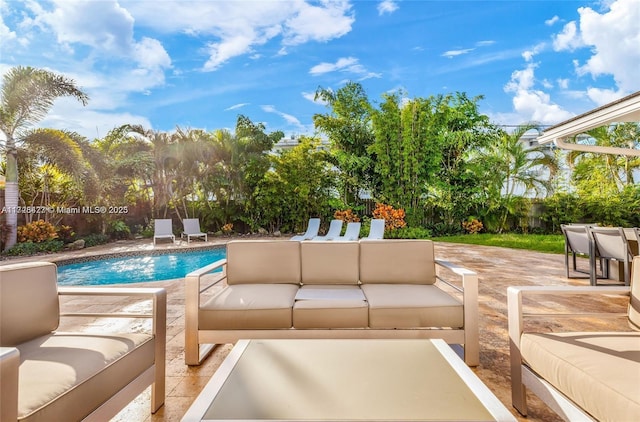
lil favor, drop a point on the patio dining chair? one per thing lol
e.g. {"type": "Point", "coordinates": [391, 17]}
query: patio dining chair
{"type": "Point", "coordinates": [351, 234]}
{"type": "Point", "coordinates": [192, 229]}
{"type": "Point", "coordinates": [312, 230]}
{"type": "Point", "coordinates": [163, 229]}
{"type": "Point", "coordinates": [610, 243]}
{"type": "Point", "coordinates": [578, 241]}
{"type": "Point", "coordinates": [335, 227]}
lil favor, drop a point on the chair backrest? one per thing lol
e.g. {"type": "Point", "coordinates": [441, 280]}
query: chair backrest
{"type": "Point", "coordinates": [263, 261]}
{"type": "Point", "coordinates": [330, 262]}
{"type": "Point", "coordinates": [29, 306]}
{"type": "Point", "coordinates": [191, 225]}
{"type": "Point", "coordinates": [402, 261]}
{"type": "Point", "coordinates": [376, 230]}
{"type": "Point", "coordinates": [162, 226]}
{"type": "Point", "coordinates": [610, 242]}
{"type": "Point", "coordinates": [335, 227]}
{"type": "Point", "coordinates": [634, 302]}
{"type": "Point", "coordinates": [576, 237]}
{"type": "Point", "coordinates": [312, 228]}
{"type": "Point", "coordinates": [352, 232]}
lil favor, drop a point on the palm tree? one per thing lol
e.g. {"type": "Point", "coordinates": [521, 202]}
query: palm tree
{"type": "Point", "coordinates": [26, 97]}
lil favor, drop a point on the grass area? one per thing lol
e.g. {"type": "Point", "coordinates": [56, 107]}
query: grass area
{"type": "Point", "coordinates": [551, 243]}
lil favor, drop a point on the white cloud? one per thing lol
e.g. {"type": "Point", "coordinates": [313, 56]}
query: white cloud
{"type": "Point", "coordinates": [387, 6]}
{"type": "Point", "coordinates": [614, 38]}
{"type": "Point", "coordinates": [344, 64]}
{"type": "Point", "coordinates": [236, 106]}
{"type": "Point", "coordinates": [552, 21]}
{"type": "Point", "coordinates": [485, 43]}
{"type": "Point", "coordinates": [311, 96]}
{"type": "Point", "coordinates": [531, 104]}
{"type": "Point", "coordinates": [453, 53]}
{"type": "Point", "coordinates": [529, 54]}
{"type": "Point", "coordinates": [563, 83]}
{"type": "Point", "coordinates": [290, 119]}
{"type": "Point", "coordinates": [568, 39]}
{"type": "Point", "coordinates": [603, 96]}
{"type": "Point", "coordinates": [235, 28]}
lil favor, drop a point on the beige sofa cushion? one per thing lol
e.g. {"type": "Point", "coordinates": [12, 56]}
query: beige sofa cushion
{"type": "Point", "coordinates": [72, 374]}
{"type": "Point", "coordinates": [263, 261]}
{"type": "Point", "coordinates": [600, 372]}
{"type": "Point", "coordinates": [411, 306]}
{"type": "Point", "coordinates": [339, 308]}
{"type": "Point", "coordinates": [397, 261]}
{"type": "Point", "coordinates": [249, 306]}
{"type": "Point", "coordinates": [29, 305]}
{"type": "Point", "coordinates": [330, 262]}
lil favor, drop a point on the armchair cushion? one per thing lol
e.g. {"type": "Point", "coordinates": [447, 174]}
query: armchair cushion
{"type": "Point", "coordinates": [412, 306]}
{"type": "Point", "coordinates": [593, 369]}
{"type": "Point", "coordinates": [249, 306]}
{"type": "Point", "coordinates": [29, 305]}
{"type": "Point", "coordinates": [57, 378]}
{"type": "Point", "coordinates": [397, 261]}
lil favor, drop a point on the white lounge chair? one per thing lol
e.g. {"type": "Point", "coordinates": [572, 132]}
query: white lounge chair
{"type": "Point", "coordinates": [192, 229]}
{"type": "Point", "coordinates": [312, 230]}
{"type": "Point", "coordinates": [376, 230]}
{"type": "Point", "coordinates": [352, 233]}
{"type": "Point", "coordinates": [163, 229]}
{"type": "Point", "coordinates": [335, 227]}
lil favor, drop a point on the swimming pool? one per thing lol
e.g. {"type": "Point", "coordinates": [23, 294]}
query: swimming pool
{"type": "Point", "coordinates": [136, 269]}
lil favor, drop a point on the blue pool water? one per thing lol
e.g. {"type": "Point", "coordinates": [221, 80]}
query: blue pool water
{"type": "Point", "coordinates": [136, 269]}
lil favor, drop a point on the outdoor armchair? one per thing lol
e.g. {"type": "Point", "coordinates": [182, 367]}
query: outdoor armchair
{"type": "Point", "coordinates": [51, 375]}
{"type": "Point", "coordinates": [582, 376]}
{"type": "Point", "coordinates": [312, 230]}
{"type": "Point", "coordinates": [192, 229]}
{"type": "Point", "coordinates": [335, 227]}
{"type": "Point", "coordinates": [163, 229]}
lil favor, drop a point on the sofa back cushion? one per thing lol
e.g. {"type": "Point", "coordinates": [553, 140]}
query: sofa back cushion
{"type": "Point", "coordinates": [397, 261]}
{"type": "Point", "coordinates": [263, 261]}
{"type": "Point", "coordinates": [29, 306]}
{"type": "Point", "coordinates": [634, 303]}
{"type": "Point", "coordinates": [330, 262]}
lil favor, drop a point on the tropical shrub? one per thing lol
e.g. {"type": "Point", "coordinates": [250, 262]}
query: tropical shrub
{"type": "Point", "coordinates": [472, 225]}
{"type": "Point", "coordinates": [32, 248]}
{"type": "Point", "coordinates": [347, 216]}
{"type": "Point", "coordinates": [393, 218]}
{"type": "Point", "coordinates": [409, 233]}
{"type": "Point", "coordinates": [119, 230]}
{"type": "Point", "coordinates": [37, 231]}
{"type": "Point", "coordinates": [95, 239]}
{"type": "Point", "coordinates": [65, 233]}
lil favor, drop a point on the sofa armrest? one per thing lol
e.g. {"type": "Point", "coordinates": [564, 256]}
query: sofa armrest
{"type": "Point", "coordinates": [469, 292]}
{"type": "Point", "coordinates": [193, 289]}
{"type": "Point", "coordinates": [9, 364]}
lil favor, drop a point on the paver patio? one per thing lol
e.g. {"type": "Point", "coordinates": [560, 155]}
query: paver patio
{"type": "Point", "coordinates": [497, 269]}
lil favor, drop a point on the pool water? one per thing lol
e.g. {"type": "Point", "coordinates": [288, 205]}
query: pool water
{"type": "Point", "coordinates": [136, 269]}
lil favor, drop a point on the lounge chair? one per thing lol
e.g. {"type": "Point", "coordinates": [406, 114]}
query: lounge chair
{"type": "Point", "coordinates": [582, 376]}
{"type": "Point", "coordinates": [163, 229]}
{"type": "Point", "coordinates": [610, 243]}
{"type": "Point", "coordinates": [312, 230]}
{"type": "Point", "coordinates": [335, 227]}
{"type": "Point", "coordinates": [376, 230]}
{"type": "Point", "coordinates": [192, 229]}
{"type": "Point", "coordinates": [352, 233]}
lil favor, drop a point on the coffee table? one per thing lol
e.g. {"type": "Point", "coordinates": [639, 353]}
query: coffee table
{"type": "Point", "coordinates": [345, 380]}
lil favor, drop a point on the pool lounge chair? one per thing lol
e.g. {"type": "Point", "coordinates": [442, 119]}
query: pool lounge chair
{"type": "Point", "coordinates": [312, 230]}
{"type": "Point", "coordinates": [192, 229]}
{"type": "Point", "coordinates": [352, 233]}
{"type": "Point", "coordinates": [376, 230]}
{"type": "Point", "coordinates": [163, 229]}
{"type": "Point", "coordinates": [335, 227]}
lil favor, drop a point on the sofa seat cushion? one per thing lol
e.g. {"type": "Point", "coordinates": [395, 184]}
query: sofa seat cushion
{"type": "Point", "coordinates": [65, 376]}
{"type": "Point", "coordinates": [330, 306]}
{"type": "Point", "coordinates": [595, 370]}
{"type": "Point", "coordinates": [249, 306]}
{"type": "Point", "coordinates": [411, 306]}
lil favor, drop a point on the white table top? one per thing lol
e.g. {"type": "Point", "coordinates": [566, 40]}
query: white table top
{"type": "Point", "coordinates": [345, 380]}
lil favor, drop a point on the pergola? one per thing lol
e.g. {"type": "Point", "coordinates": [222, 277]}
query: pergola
{"type": "Point", "coordinates": [626, 109]}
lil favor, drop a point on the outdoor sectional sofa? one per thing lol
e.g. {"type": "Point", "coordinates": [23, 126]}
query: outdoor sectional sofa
{"type": "Point", "coordinates": [49, 375]}
{"type": "Point", "coordinates": [366, 289]}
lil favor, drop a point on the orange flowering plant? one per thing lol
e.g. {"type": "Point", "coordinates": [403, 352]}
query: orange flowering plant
{"type": "Point", "coordinates": [472, 225]}
{"type": "Point", "coordinates": [37, 231]}
{"type": "Point", "coordinates": [393, 218]}
{"type": "Point", "coordinates": [347, 216]}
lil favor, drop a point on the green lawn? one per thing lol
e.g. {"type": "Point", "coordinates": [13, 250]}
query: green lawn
{"type": "Point", "coordinates": [552, 243]}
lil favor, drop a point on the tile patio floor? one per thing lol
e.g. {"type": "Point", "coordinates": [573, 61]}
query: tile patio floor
{"type": "Point", "coordinates": [497, 269]}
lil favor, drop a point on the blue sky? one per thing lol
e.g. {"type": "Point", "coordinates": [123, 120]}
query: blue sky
{"type": "Point", "coordinates": [198, 64]}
